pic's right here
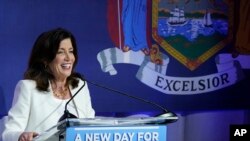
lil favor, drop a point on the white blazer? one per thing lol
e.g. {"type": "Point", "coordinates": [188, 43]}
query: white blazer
{"type": "Point", "coordinates": [37, 111]}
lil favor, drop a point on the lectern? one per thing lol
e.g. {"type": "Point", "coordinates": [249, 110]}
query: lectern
{"type": "Point", "coordinates": [109, 129]}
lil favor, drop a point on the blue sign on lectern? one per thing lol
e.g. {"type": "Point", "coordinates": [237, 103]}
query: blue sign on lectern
{"type": "Point", "coordinates": [117, 133]}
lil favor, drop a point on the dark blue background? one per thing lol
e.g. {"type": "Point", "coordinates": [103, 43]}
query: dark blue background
{"type": "Point", "coordinates": [22, 21]}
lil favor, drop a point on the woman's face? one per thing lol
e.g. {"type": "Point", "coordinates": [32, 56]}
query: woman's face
{"type": "Point", "coordinates": [62, 64]}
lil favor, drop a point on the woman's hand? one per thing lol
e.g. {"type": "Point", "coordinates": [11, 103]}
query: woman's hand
{"type": "Point", "coordinates": [27, 136]}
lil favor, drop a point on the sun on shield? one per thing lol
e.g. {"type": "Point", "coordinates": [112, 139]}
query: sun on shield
{"type": "Point", "coordinates": [191, 31]}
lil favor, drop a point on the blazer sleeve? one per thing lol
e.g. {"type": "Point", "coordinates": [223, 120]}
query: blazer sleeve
{"type": "Point", "coordinates": [18, 115]}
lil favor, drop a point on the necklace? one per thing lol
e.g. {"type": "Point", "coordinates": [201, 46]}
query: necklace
{"type": "Point", "coordinates": [60, 92]}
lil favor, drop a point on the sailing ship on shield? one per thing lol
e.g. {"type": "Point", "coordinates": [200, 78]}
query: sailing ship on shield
{"type": "Point", "coordinates": [189, 25]}
{"type": "Point", "coordinates": [177, 17]}
{"type": "Point", "coordinates": [207, 21]}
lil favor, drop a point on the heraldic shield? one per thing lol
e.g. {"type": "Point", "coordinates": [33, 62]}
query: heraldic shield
{"type": "Point", "coordinates": [190, 31]}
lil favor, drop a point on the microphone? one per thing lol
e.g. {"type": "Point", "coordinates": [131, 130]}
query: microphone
{"type": "Point", "coordinates": [166, 113]}
{"type": "Point", "coordinates": [66, 113]}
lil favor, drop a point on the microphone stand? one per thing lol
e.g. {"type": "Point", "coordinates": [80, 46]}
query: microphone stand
{"type": "Point", "coordinates": [67, 114]}
{"type": "Point", "coordinates": [166, 113]}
